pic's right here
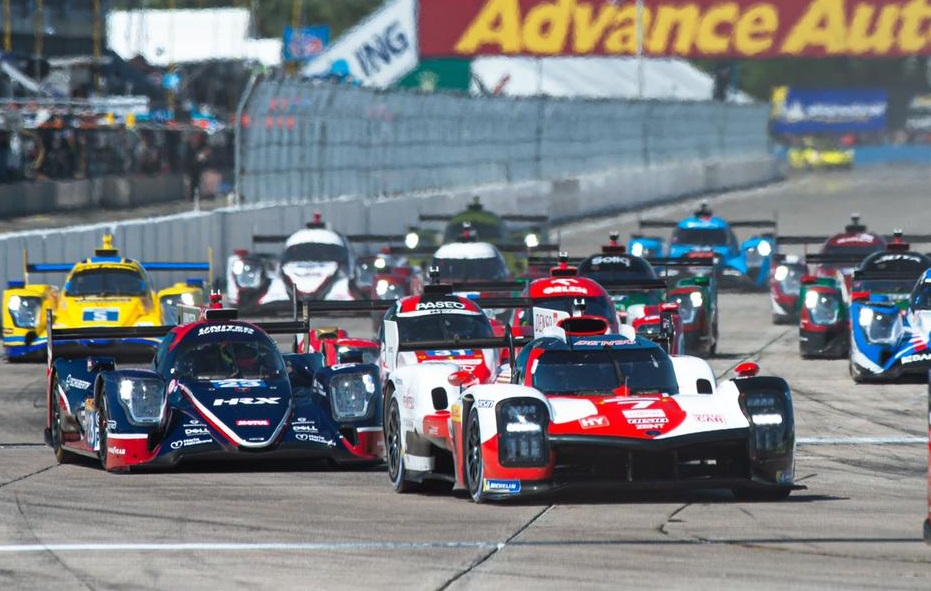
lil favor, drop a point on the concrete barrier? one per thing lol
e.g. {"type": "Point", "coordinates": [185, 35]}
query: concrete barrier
{"type": "Point", "coordinates": [47, 196]}
{"type": "Point", "coordinates": [189, 236]}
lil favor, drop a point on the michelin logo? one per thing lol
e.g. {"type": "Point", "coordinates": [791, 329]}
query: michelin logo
{"type": "Point", "coordinates": [502, 486]}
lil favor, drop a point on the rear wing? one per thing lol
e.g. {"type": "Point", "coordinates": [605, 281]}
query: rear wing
{"type": "Point", "coordinates": [849, 259]}
{"type": "Point", "coordinates": [734, 224]}
{"type": "Point", "coordinates": [207, 266]}
{"type": "Point", "coordinates": [859, 274]}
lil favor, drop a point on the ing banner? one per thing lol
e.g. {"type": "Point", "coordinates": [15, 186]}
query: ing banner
{"type": "Point", "coordinates": [680, 28]}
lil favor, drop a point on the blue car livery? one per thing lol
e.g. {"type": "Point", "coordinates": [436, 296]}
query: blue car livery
{"type": "Point", "coordinates": [743, 265]}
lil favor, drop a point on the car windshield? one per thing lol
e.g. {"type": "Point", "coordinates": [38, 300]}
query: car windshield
{"type": "Point", "coordinates": [602, 307]}
{"type": "Point", "coordinates": [212, 360]}
{"type": "Point", "coordinates": [444, 327]}
{"type": "Point", "coordinates": [488, 269]}
{"type": "Point", "coordinates": [315, 251]}
{"type": "Point", "coordinates": [349, 354]}
{"type": "Point", "coordinates": [106, 282]}
{"type": "Point", "coordinates": [592, 372]}
{"type": "Point", "coordinates": [884, 286]}
{"type": "Point", "coordinates": [921, 297]}
{"type": "Point", "coordinates": [485, 230]}
{"type": "Point", "coordinates": [700, 236]}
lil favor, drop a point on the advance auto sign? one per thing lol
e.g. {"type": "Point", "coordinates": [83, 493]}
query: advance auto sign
{"type": "Point", "coordinates": [687, 28]}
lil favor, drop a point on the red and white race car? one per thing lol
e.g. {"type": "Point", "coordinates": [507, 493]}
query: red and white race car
{"type": "Point", "coordinates": [589, 408]}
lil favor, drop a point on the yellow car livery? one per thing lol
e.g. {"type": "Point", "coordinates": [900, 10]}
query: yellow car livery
{"type": "Point", "coordinates": [105, 290]}
{"type": "Point", "coordinates": [811, 157]}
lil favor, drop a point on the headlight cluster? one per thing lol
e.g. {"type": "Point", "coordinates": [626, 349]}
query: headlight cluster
{"type": "Point", "coordinates": [880, 326]}
{"type": "Point", "coordinates": [351, 395]}
{"type": "Point", "coordinates": [143, 400]}
{"type": "Point", "coordinates": [789, 279]}
{"type": "Point", "coordinates": [386, 290]}
{"type": "Point", "coordinates": [689, 306]}
{"type": "Point", "coordinates": [25, 310]}
{"type": "Point", "coordinates": [522, 432]}
{"type": "Point", "coordinates": [170, 305]}
{"type": "Point", "coordinates": [755, 255]}
{"type": "Point", "coordinates": [247, 273]}
{"type": "Point", "coordinates": [766, 412]}
{"type": "Point", "coordinates": [822, 308]}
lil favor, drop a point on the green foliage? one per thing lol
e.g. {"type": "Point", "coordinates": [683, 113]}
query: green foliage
{"type": "Point", "coordinates": [273, 16]}
{"type": "Point", "coordinates": [759, 77]}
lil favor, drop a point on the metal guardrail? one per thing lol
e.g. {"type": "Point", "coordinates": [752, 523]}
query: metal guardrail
{"type": "Point", "coordinates": [303, 140]}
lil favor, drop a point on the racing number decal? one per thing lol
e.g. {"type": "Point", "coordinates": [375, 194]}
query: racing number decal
{"type": "Point", "coordinates": [238, 383]}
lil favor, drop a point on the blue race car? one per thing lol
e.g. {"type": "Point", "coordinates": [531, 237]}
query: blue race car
{"type": "Point", "coordinates": [218, 389]}
{"type": "Point", "coordinates": [890, 315]}
{"type": "Point", "coordinates": [743, 265]}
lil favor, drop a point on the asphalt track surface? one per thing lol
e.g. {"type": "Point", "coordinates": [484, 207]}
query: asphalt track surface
{"type": "Point", "coordinates": [862, 455]}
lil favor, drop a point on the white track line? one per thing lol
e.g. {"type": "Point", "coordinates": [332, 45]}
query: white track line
{"type": "Point", "coordinates": [168, 547]}
{"type": "Point", "coordinates": [893, 440]}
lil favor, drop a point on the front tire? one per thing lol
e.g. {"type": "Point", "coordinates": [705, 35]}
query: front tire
{"type": "Point", "coordinates": [394, 450]}
{"type": "Point", "coordinates": [61, 454]}
{"type": "Point", "coordinates": [102, 419]}
{"type": "Point", "coordinates": [858, 375]}
{"type": "Point", "coordinates": [474, 465]}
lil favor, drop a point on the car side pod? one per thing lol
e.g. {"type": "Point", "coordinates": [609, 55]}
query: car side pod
{"type": "Point", "coordinates": [927, 526]}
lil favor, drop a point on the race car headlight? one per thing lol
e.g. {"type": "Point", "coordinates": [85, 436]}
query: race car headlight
{"type": "Point", "coordinates": [386, 290]}
{"type": "Point", "coordinates": [764, 248]}
{"type": "Point", "coordinates": [688, 309]}
{"type": "Point", "coordinates": [143, 400]}
{"type": "Point", "coordinates": [411, 240]}
{"type": "Point", "coordinates": [522, 426]}
{"type": "Point", "coordinates": [637, 249]}
{"type": "Point", "coordinates": [351, 395]}
{"type": "Point", "coordinates": [781, 273]}
{"type": "Point", "coordinates": [880, 326]}
{"type": "Point", "coordinates": [24, 310]}
{"type": "Point", "coordinates": [822, 308]}
{"type": "Point", "coordinates": [246, 274]}
{"type": "Point", "coordinates": [767, 412]}
{"type": "Point", "coordinates": [531, 240]}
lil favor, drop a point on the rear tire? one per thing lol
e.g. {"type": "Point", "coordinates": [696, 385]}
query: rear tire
{"type": "Point", "coordinates": [394, 450]}
{"type": "Point", "coordinates": [61, 454]}
{"type": "Point", "coordinates": [474, 465]}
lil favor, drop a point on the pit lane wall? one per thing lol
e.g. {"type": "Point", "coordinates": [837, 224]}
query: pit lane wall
{"type": "Point", "coordinates": [189, 236]}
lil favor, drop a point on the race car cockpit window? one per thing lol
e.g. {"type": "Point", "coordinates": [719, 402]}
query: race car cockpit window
{"type": "Point", "coordinates": [602, 307]}
{"type": "Point", "coordinates": [921, 297]}
{"type": "Point", "coordinates": [444, 327]}
{"type": "Point", "coordinates": [600, 372]}
{"type": "Point", "coordinates": [106, 282]}
{"type": "Point", "coordinates": [346, 354]}
{"type": "Point", "coordinates": [213, 360]}
{"type": "Point", "coordinates": [315, 251]}
{"type": "Point", "coordinates": [463, 270]}
{"type": "Point", "coordinates": [704, 237]}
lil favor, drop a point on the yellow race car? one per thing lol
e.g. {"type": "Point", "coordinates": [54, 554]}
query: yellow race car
{"type": "Point", "coordinates": [820, 156]}
{"type": "Point", "coordinates": [105, 290]}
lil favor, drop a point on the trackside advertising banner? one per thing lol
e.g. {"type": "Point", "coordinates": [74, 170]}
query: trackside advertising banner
{"type": "Point", "coordinates": [685, 28]}
{"type": "Point", "coordinates": [803, 111]}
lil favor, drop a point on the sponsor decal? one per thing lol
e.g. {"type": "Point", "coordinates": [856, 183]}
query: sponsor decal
{"type": "Point", "coordinates": [253, 423]}
{"type": "Point", "coordinates": [241, 384]}
{"type": "Point", "coordinates": [507, 486]}
{"type": "Point", "coordinates": [645, 414]}
{"type": "Point", "coordinates": [652, 422]}
{"type": "Point", "coordinates": [217, 328]}
{"type": "Point", "coordinates": [189, 442]}
{"type": "Point", "coordinates": [73, 382]}
{"type": "Point", "coordinates": [611, 260]}
{"type": "Point", "coordinates": [603, 342]}
{"type": "Point", "coordinates": [594, 422]}
{"type": "Point", "coordinates": [916, 358]}
{"type": "Point", "coordinates": [196, 431]}
{"type": "Point", "coordinates": [195, 423]}
{"type": "Point", "coordinates": [449, 353]}
{"type": "Point", "coordinates": [312, 438]}
{"type": "Point", "coordinates": [865, 238]}
{"type": "Point", "coordinates": [483, 403]}
{"type": "Point", "coordinates": [100, 315]}
{"type": "Point", "coordinates": [117, 451]}
{"type": "Point", "coordinates": [709, 418]}
{"type": "Point", "coordinates": [304, 428]}
{"type": "Point", "coordinates": [565, 288]}
{"type": "Point", "coordinates": [840, 110]}
{"type": "Point", "coordinates": [247, 401]}
{"type": "Point", "coordinates": [440, 306]}
{"type": "Point", "coordinates": [684, 28]}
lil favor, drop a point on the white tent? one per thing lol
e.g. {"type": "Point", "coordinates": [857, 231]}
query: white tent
{"type": "Point", "coordinates": [166, 37]}
{"type": "Point", "coordinates": [593, 77]}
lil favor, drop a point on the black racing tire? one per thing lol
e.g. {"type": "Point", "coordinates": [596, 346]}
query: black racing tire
{"type": "Point", "coordinates": [776, 493]}
{"type": "Point", "coordinates": [858, 376]}
{"type": "Point", "coordinates": [61, 454]}
{"type": "Point", "coordinates": [474, 464]}
{"type": "Point", "coordinates": [394, 450]}
{"type": "Point", "coordinates": [102, 419]}
{"type": "Point", "coordinates": [713, 349]}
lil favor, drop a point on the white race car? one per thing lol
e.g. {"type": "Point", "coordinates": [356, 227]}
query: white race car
{"type": "Point", "coordinates": [583, 407]}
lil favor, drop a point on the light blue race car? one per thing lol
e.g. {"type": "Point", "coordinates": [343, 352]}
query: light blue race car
{"type": "Point", "coordinates": [890, 316]}
{"type": "Point", "coordinates": [743, 265]}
